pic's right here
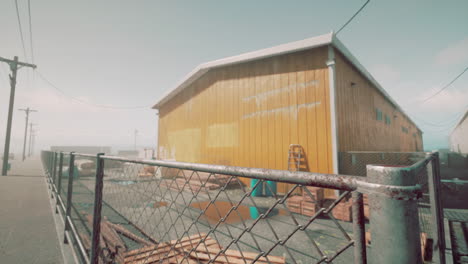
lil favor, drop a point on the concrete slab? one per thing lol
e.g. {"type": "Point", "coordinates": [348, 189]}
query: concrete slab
{"type": "Point", "coordinates": [27, 226]}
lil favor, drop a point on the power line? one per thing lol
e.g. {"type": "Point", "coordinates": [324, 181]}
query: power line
{"type": "Point", "coordinates": [89, 103]}
{"type": "Point", "coordinates": [20, 30]}
{"type": "Point", "coordinates": [30, 31]}
{"type": "Point", "coordinates": [446, 122]}
{"type": "Point", "coordinates": [360, 9]}
{"type": "Point", "coordinates": [446, 86]}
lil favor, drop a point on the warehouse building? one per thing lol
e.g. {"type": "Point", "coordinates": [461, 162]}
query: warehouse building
{"type": "Point", "coordinates": [459, 136]}
{"type": "Point", "coordinates": [264, 108]}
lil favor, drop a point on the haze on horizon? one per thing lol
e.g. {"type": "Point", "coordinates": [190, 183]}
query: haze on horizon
{"type": "Point", "coordinates": [120, 54]}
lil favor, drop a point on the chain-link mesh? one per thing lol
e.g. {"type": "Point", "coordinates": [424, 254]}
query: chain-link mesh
{"type": "Point", "coordinates": [170, 215]}
{"type": "Point", "coordinates": [156, 214]}
{"type": "Point", "coordinates": [355, 163]}
{"type": "Point", "coordinates": [83, 198]}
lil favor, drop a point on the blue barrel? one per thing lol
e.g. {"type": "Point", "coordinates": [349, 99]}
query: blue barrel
{"type": "Point", "coordinates": [270, 189]}
{"type": "Point", "coordinates": [258, 191]}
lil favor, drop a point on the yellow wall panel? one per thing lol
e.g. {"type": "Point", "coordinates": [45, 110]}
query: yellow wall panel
{"type": "Point", "coordinates": [248, 115]}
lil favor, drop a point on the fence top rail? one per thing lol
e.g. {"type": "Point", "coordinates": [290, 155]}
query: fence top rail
{"type": "Point", "coordinates": [333, 181]}
{"type": "Point", "coordinates": [84, 155]}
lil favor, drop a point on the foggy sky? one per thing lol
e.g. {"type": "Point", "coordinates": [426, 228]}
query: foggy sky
{"type": "Point", "coordinates": [128, 53]}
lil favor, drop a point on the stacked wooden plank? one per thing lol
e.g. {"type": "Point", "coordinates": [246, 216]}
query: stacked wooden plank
{"type": "Point", "coordinates": [180, 184]}
{"type": "Point", "coordinates": [191, 250]}
{"type": "Point", "coordinates": [147, 171]}
{"type": "Point", "coordinates": [343, 210]}
{"type": "Point", "coordinates": [294, 204]}
{"type": "Point", "coordinates": [366, 206]}
{"type": "Point", "coordinates": [110, 238]}
{"type": "Point", "coordinates": [197, 248]}
{"type": "Point", "coordinates": [313, 199]}
{"type": "Point", "coordinates": [426, 245]}
{"type": "Point", "coordinates": [220, 179]}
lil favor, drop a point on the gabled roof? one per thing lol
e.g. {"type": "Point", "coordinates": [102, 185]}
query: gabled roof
{"type": "Point", "coordinates": [462, 119]}
{"type": "Point", "coordinates": [306, 44]}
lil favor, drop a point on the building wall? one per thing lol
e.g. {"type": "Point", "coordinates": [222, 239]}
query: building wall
{"type": "Point", "coordinates": [358, 126]}
{"type": "Point", "coordinates": [248, 115]}
{"type": "Point", "coordinates": [459, 137]}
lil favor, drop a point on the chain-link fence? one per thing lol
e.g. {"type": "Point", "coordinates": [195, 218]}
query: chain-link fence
{"type": "Point", "coordinates": [429, 206]}
{"type": "Point", "coordinates": [148, 211]}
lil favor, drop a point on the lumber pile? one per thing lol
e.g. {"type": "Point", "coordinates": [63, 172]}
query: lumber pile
{"type": "Point", "coordinates": [313, 199]}
{"type": "Point", "coordinates": [111, 239]}
{"type": "Point", "coordinates": [190, 249]}
{"type": "Point", "coordinates": [180, 251]}
{"type": "Point", "coordinates": [147, 171]}
{"type": "Point", "coordinates": [426, 245]}
{"type": "Point", "coordinates": [199, 181]}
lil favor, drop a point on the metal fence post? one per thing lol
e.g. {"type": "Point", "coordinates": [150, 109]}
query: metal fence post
{"type": "Point", "coordinates": [54, 171]}
{"type": "Point", "coordinates": [71, 169]}
{"type": "Point", "coordinates": [359, 231]}
{"type": "Point", "coordinates": [49, 170]}
{"type": "Point", "coordinates": [59, 182]}
{"type": "Point", "coordinates": [394, 223]}
{"type": "Point", "coordinates": [95, 250]}
{"type": "Point", "coordinates": [437, 211]}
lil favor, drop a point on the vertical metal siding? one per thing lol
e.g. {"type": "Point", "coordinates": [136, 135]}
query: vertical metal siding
{"type": "Point", "coordinates": [248, 115]}
{"type": "Point", "coordinates": [357, 127]}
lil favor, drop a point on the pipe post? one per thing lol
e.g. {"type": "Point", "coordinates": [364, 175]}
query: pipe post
{"type": "Point", "coordinates": [59, 182]}
{"type": "Point", "coordinates": [71, 169]}
{"type": "Point", "coordinates": [395, 222]}
{"type": "Point", "coordinates": [95, 250]}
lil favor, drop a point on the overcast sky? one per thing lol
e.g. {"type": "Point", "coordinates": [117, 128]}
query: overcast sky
{"type": "Point", "coordinates": [128, 53]}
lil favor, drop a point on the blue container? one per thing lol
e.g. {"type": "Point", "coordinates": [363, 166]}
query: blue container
{"type": "Point", "coordinates": [258, 191]}
{"type": "Point", "coordinates": [270, 189]}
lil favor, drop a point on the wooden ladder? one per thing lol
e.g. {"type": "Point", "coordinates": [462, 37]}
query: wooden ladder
{"type": "Point", "coordinates": [295, 156]}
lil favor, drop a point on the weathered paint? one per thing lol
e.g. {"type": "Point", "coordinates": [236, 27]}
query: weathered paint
{"type": "Point", "coordinates": [357, 126]}
{"type": "Point", "coordinates": [248, 114]}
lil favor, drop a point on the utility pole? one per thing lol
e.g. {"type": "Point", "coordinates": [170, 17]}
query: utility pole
{"type": "Point", "coordinates": [27, 111]}
{"type": "Point", "coordinates": [33, 141]}
{"type": "Point", "coordinates": [30, 138]}
{"type": "Point", "coordinates": [14, 66]}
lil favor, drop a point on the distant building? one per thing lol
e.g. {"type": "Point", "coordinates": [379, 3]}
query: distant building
{"type": "Point", "coordinates": [128, 153]}
{"type": "Point", "coordinates": [83, 149]}
{"type": "Point", "coordinates": [248, 109]}
{"type": "Point", "coordinates": [459, 136]}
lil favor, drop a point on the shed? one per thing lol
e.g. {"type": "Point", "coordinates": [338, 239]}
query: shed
{"type": "Point", "coordinates": [248, 110]}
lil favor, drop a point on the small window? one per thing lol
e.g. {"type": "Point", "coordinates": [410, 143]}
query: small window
{"type": "Point", "coordinates": [404, 129]}
{"type": "Point", "coordinates": [388, 120]}
{"type": "Point", "coordinates": [378, 113]}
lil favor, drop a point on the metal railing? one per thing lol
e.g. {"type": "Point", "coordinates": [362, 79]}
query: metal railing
{"type": "Point", "coordinates": [121, 210]}
{"type": "Point", "coordinates": [430, 212]}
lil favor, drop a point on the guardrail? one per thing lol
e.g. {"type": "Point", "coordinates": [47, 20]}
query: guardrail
{"type": "Point", "coordinates": [120, 210]}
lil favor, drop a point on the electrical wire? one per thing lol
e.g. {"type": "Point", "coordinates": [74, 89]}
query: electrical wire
{"type": "Point", "coordinates": [30, 31]}
{"type": "Point", "coordinates": [447, 121]}
{"type": "Point", "coordinates": [20, 29]}
{"type": "Point", "coordinates": [355, 14]}
{"type": "Point", "coordinates": [86, 102]}
{"type": "Point", "coordinates": [446, 86]}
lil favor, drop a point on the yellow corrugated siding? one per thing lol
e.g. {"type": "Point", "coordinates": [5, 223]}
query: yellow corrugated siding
{"type": "Point", "coordinates": [357, 127]}
{"type": "Point", "coordinates": [248, 115]}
